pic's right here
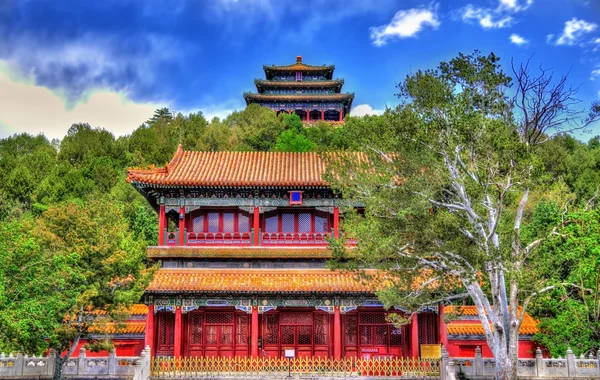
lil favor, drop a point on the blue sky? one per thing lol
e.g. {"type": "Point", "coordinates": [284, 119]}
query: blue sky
{"type": "Point", "coordinates": [112, 63]}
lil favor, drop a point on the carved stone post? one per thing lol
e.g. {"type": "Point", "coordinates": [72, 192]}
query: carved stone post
{"type": "Point", "coordinates": [19, 364]}
{"type": "Point", "coordinates": [142, 368]}
{"type": "Point", "coordinates": [570, 363]}
{"type": "Point", "coordinates": [539, 363]}
{"type": "Point", "coordinates": [598, 359]}
{"type": "Point", "coordinates": [81, 362]}
{"type": "Point", "coordinates": [444, 364]}
{"type": "Point", "coordinates": [478, 362]}
{"type": "Point", "coordinates": [112, 362]}
{"type": "Point", "coordinates": [51, 363]}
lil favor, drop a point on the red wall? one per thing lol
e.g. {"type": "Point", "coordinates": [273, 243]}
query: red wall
{"type": "Point", "coordinates": [124, 347]}
{"type": "Point", "coordinates": [466, 349]}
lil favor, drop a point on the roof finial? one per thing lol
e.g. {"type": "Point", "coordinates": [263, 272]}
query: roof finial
{"type": "Point", "coordinates": [298, 59]}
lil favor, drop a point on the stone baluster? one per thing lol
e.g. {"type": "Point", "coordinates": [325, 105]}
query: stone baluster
{"type": "Point", "coordinates": [112, 362]}
{"type": "Point", "coordinates": [444, 364]}
{"type": "Point", "coordinates": [570, 363]}
{"type": "Point", "coordinates": [19, 364]}
{"type": "Point", "coordinates": [539, 362]}
{"type": "Point", "coordinates": [478, 362]}
{"type": "Point", "coordinates": [81, 362]}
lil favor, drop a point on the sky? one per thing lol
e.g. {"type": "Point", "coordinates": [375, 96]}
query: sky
{"type": "Point", "coordinates": [112, 63]}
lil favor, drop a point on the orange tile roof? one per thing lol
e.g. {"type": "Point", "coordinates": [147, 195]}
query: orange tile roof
{"type": "Point", "coordinates": [462, 327]}
{"type": "Point", "coordinates": [298, 66]}
{"type": "Point", "coordinates": [157, 252]}
{"type": "Point", "coordinates": [298, 97]}
{"type": "Point", "coordinates": [129, 327]}
{"type": "Point", "coordinates": [137, 309]}
{"type": "Point", "coordinates": [255, 280]}
{"type": "Point", "coordinates": [235, 169]}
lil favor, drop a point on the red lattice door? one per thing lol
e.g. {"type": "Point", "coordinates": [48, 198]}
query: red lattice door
{"type": "Point", "coordinates": [377, 337]}
{"type": "Point", "coordinates": [166, 333]}
{"type": "Point", "coordinates": [219, 334]}
{"type": "Point", "coordinates": [296, 332]}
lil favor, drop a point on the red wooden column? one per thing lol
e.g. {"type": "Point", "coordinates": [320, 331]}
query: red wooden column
{"type": "Point", "coordinates": [254, 333]}
{"type": "Point", "coordinates": [161, 224]}
{"type": "Point", "coordinates": [149, 336]}
{"type": "Point", "coordinates": [290, 112]}
{"type": "Point", "coordinates": [336, 222]}
{"type": "Point", "coordinates": [322, 114]}
{"type": "Point", "coordinates": [256, 224]}
{"type": "Point", "coordinates": [182, 225]}
{"type": "Point", "coordinates": [307, 115]}
{"type": "Point", "coordinates": [414, 336]}
{"type": "Point", "coordinates": [341, 115]}
{"type": "Point", "coordinates": [442, 329]}
{"type": "Point", "coordinates": [177, 344]}
{"type": "Point", "coordinates": [337, 333]}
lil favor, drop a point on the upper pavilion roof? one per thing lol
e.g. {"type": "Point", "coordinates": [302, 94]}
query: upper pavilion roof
{"type": "Point", "coordinates": [299, 97]}
{"type": "Point", "coordinates": [271, 70]}
{"type": "Point", "coordinates": [235, 169]}
{"type": "Point", "coordinates": [262, 84]}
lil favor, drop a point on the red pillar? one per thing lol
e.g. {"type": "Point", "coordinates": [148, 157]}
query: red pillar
{"type": "Point", "coordinates": [254, 333]}
{"type": "Point", "coordinates": [182, 225]}
{"type": "Point", "coordinates": [336, 222]}
{"type": "Point", "coordinates": [161, 225]}
{"type": "Point", "coordinates": [256, 225]}
{"type": "Point", "coordinates": [414, 336]}
{"type": "Point", "coordinates": [307, 115]}
{"type": "Point", "coordinates": [290, 112]}
{"type": "Point", "coordinates": [341, 115]}
{"type": "Point", "coordinates": [337, 333]}
{"type": "Point", "coordinates": [178, 333]}
{"type": "Point", "coordinates": [442, 329]}
{"type": "Point", "coordinates": [149, 336]}
{"type": "Point", "coordinates": [322, 114]}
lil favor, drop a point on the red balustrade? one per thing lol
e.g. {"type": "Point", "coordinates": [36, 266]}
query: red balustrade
{"type": "Point", "coordinates": [283, 238]}
{"type": "Point", "coordinates": [219, 238]}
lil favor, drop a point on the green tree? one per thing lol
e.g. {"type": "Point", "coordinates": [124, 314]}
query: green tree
{"type": "Point", "coordinates": [257, 128]}
{"type": "Point", "coordinates": [446, 180]}
{"type": "Point", "coordinates": [293, 141]}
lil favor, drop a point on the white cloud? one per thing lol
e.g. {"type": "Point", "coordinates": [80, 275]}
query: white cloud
{"type": "Point", "coordinates": [27, 107]}
{"type": "Point", "coordinates": [595, 73]}
{"type": "Point", "coordinates": [492, 18]}
{"type": "Point", "coordinates": [406, 23]}
{"type": "Point", "coordinates": [518, 40]}
{"type": "Point", "coordinates": [364, 109]}
{"type": "Point", "coordinates": [574, 30]}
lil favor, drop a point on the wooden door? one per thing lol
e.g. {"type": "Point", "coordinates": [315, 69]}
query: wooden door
{"type": "Point", "coordinates": [219, 339]}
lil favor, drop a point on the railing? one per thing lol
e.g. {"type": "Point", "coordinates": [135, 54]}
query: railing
{"type": "Point", "coordinates": [280, 238]}
{"type": "Point", "coordinates": [308, 239]}
{"type": "Point", "coordinates": [194, 367]}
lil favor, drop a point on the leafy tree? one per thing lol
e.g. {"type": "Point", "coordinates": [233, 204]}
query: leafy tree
{"type": "Point", "coordinates": [293, 141]}
{"type": "Point", "coordinates": [257, 127]}
{"type": "Point", "coordinates": [570, 317]}
{"type": "Point", "coordinates": [445, 213]}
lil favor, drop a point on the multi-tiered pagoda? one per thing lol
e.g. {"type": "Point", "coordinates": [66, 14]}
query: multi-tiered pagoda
{"type": "Point", "coordinates": [307, 90]}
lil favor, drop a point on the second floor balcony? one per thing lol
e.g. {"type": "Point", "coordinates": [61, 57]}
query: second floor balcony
{"type": "Point", "coordinates": [238, 228]}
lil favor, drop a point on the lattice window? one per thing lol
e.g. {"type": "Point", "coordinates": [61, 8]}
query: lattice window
{"type": "Point", "coordinates": [427, 328]}
{"type": "Point", "coordinates": [213, 221]}
{"type": "Point", "coordinates": [304, 222]}
{"type": "Point", "coordinates": [211, 334]}
{"type": "Point", "coordinates": [243, 223]}
{"type": "Point", "coordinates": [196, 328]}
{"type": "Point", "coordinates": [298, 76]}
{"type": "Point", "coordinates": [287, 334]}
{"type": "Point", "coordinates": [227, 334]}
{"type": "Point", "coordinates": [381, 335]}
{"type": "Point", "coordinates": [366, 337]}
{"type": "Point", "coordinates": [372, 319]}
{"type": "Point", "coordinates": [321, 329]}
{"type": "Point", "coordinates": [166, 323]}
{"type": "Point", "coordinates": [321, 224]}
{"type": "Point", "coordinates": [296, 318]}
{"type": "Point", "coordinates": [271, 224]}
{"type": "Point", "coordinates": [228, 222]}
{"type": "Point", "coordinates": [304, 334]}
{"type": "Point", "coordinates": [241, 329]}
{"type": "Point", "coordinates": [198, 224]}
{"type": "Point", "coordinates": [287, 222]}
{"type": "Point", "coordinates": [272, 328]}
{"type": "Point", "coordinates": [219, 318]}
{"type": "Point", "coordinates": [350, 333]}
{"type": "Point", "coordinates": [395, 336]}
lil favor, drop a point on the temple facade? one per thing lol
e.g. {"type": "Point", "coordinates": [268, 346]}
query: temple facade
{"type": "Point", "coordinates": [242, 248]}
{"type": "Point", "coordinates": [307, 90]}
